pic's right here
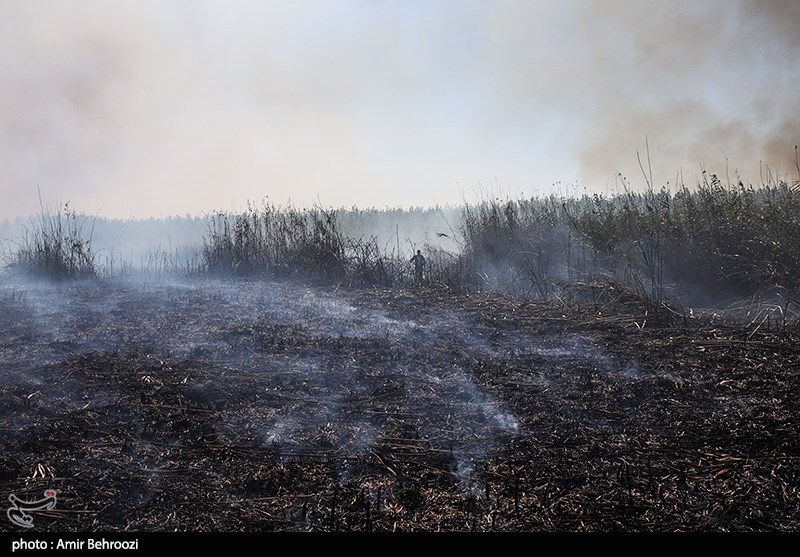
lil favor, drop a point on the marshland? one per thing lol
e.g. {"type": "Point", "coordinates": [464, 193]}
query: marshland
{"type": "Point", "coordinates": [626, 362]}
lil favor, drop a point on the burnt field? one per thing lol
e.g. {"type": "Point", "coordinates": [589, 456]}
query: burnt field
{"type": "Point", "coordinates": [253, 406]}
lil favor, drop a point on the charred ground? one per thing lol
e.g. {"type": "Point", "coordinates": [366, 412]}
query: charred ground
{"type": "Point", "coordinates": [242, 406]}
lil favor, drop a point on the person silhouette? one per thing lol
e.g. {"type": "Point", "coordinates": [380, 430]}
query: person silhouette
{"type": "Point", "coordinates": [419, 266]}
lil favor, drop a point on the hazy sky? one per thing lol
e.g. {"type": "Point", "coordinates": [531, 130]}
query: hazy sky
{"type": "Point", "coordinates": [159, 107]}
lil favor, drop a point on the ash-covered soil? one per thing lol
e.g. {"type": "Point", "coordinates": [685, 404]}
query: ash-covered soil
{"type": "Point", "coordinates": [252, 406]}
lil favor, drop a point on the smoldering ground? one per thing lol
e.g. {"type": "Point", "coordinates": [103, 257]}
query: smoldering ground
{"type": "Point", "coordinates": [258, 405]}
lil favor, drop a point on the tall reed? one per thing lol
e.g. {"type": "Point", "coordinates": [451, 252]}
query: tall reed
{"type": "Point", "coordinates": [55, 246]}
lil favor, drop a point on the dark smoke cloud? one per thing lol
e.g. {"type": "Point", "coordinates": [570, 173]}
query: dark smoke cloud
{"type": "Point", "coordinates": [705, 82]}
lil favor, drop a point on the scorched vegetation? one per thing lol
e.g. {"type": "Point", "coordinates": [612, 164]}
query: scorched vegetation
{"type": "Point", "coordinates": [594, 364]}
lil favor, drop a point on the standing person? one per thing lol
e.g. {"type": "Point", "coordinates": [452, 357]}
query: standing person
{"type": "Point", "coordinates": [419, 265]}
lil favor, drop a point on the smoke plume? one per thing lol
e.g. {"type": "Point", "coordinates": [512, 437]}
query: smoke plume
{"type": "Point", "coordinates": [165, 107]}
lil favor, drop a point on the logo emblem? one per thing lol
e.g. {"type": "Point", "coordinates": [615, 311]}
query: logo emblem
{"type": "Point", "coordinates": [18, 513]}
